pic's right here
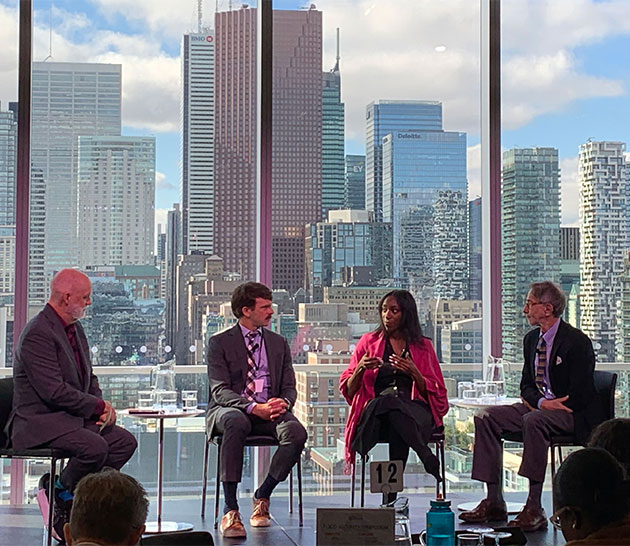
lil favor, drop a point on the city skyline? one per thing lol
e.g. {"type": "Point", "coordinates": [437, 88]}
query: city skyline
{"type": "Point", "coordinates": [145, 37]}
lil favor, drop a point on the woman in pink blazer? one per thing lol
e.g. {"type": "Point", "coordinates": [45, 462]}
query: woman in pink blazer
{"type": "Point", "coordinates": [395, 387]}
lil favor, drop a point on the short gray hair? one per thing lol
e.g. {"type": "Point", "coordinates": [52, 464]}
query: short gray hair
{"type": "Point", "coordinates": [108, 507]}
{"type": "Point", "coordinates": [549, 292]}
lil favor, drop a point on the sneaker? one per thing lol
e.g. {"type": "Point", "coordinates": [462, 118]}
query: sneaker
{"type": "Point", "coordinates": [61, 510]}
{"type": "Point", "coordinates": [232, 526]}
{"type": "Point", "coordinates": [260, 516]}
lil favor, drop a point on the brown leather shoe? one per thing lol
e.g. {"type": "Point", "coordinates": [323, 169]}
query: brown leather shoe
{"type": "Point", "coordinates": [232, 526]}
{"type": "Point", "coordinates": [485, 511]}
{"type": "Point", "coordinates": [530, 519]}
{"type": "Point", "coordinates": [260, 516]}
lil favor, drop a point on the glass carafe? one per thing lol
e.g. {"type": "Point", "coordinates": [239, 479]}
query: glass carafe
{"type": "Point", "coordinates": [163, 376]}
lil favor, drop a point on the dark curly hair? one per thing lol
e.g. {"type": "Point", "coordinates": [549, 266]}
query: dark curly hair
{"type": "Point", "coordinates": [245, 295]}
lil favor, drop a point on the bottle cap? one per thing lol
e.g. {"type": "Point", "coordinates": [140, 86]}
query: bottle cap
{"type": "Point", "coordinates": [440, 503]}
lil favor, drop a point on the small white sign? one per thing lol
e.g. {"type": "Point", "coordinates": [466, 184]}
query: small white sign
{"type": "Point", "coordinates": [355, 526]}
{"type": "Point", "coordinates": [386, 476]}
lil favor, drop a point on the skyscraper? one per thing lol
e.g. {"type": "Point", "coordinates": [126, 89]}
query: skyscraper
{"type": "Point", "coordinates": [69, 100]}
{"type": "Point", "coordinates": [116, 179]}
{"type": "Point", "coordinates": [604, 176]}
{"type": "Point", "coordinates": [530, 226]}
{"type": "Point", "coordinates": [418, 168]}
{"type": "Point", "coordinates": [474, 249]}
{"type": "Point", "coordinates": [173, 250]}
{"type": "Point", "coordinates": [333, 137]}
{"type": "Point", "coordinates": [297, 140]}
{"type": "Point", "coordinates": [197, 120]}
{"type": "Point", "coordinates": [8, 156]}
{"type": "Point", "coordinates": [354, 188]}
{"type": "Point", "coordinates": [384, 117]}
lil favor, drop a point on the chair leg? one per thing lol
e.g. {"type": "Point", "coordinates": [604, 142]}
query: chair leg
{"type": "Point", "coordinates": [205, 479]}
{"type": "Point", "coordinates": [51, 499]}
{"type": "Point", "coordinates": [352, 481]}
{"type": "Point", "coordinates": [363, 461]}
{"type": "Point", "coordinates": [218, 487]}
{"type": "Point", "coordinates": [299, 479]}
{"type": "Point", "coordinates": [291, 492]}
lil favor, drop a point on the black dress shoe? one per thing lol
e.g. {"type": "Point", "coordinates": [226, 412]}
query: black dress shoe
{"type": "Point", "coordinates": [530, 519]}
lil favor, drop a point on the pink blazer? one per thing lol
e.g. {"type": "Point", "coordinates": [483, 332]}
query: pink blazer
{"type": "Point", "coordinates": [423, 356]}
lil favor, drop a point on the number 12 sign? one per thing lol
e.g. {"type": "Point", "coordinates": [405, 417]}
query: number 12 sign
{"type": "Point", "coordinates": [386, 476]}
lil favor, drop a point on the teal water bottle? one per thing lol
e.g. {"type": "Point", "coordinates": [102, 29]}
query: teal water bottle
{"type": "Point", "coordinates": [440, 523]}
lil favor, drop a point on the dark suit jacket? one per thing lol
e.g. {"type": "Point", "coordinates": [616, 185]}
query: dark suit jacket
{"type": "Point", "coordinates": [49, 396]}
{"type": "Point", "coordinates": [571, 367]}
{"type": "Point", "coordinates": [227, 371]}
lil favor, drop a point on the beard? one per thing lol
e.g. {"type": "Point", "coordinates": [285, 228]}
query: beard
{"type": "Point", "coordinates": [77, 312]}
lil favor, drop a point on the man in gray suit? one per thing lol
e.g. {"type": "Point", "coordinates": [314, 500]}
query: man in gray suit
{"type": "Point", "coordinates": [57, 401]}
{"type": "Point", "coordinates": [252, 386]}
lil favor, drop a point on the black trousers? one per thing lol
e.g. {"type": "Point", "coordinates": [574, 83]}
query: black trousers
{"type": "Point", "coordinates": [91, 451]}
{"type": "Point", "coordinates": [235, 425]}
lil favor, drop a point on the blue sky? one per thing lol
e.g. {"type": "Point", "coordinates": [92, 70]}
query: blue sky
{"type": "Point", "coordinates": [565, 68]}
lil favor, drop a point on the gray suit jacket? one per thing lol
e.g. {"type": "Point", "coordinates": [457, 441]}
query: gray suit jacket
{"type": "Point", "coordinates": [49, 396]}
{"type": "Point", "coordinates": [227, 371]}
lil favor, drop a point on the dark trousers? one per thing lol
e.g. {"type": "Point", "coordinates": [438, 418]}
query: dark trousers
{"type": "Point", "coordinates": [235, 425]}
{"type": "Point", "coordinates": [91, 451]}
{"type": "Point", "coordinates": [537, 428]}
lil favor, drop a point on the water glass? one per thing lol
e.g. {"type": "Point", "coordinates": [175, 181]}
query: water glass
{"type": "Point", "coordinates": [402, 527]}
{"type": "Point", "coordinates": [469, 539]}
{"type": "Point", "coordinates": [166, 400]}
{"type": "Point", "coordinates": [189, 400]}
{"type": "Point", "coordinates": [470, 394]}
{"type": "Point", "coordinates": [145, 400]}
{"type": "Point", "coordinates": [463, 386]}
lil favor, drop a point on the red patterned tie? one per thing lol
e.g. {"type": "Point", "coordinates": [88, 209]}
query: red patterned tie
{"type": "Point", "coordinates": [542, 365]}
{"type": "Point", "coordinates": [252, 347]}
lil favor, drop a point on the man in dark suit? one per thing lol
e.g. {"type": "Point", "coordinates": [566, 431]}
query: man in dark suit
{"type": "Point", "coordinates": [558, 397]}
{"type": "Point", "coordinates": [57, 401]}
{"type": "Point", "coordinates": [252, 386]}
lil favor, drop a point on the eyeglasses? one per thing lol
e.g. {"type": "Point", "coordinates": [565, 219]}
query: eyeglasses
{"type": "Point", "coordinates": [554, 519]}
{"type": "Point", "coordinates": [532, 303]}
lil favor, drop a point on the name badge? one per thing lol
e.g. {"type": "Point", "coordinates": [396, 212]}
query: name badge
{"type": "Point", "coordinates": [259, 384]}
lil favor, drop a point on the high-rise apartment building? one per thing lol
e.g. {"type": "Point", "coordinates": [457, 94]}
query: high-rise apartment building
{"type": "Point", "coordinates": [8, 163]}
{"type": "Point", "coordinates": [354, 185]}
{"type": "Point", "coordinates": [349, 238]}
{"type": "Point", "coordinates": [474, 249]}
{"type": "Point", "coordinates": [197, 126]}
{"type": "Point", "coordinates": [450, 251]}
{"type": "Point", "coordinates": [604, 176]}
{"type": "Point", "coordinates": [388, 116]}
{"type": "Point", "coordinates": [418, 168]}
{"type": "Point", "coordinates": [68, 100]}
{"type": "Point", "coordinates": [116, 200]}
{"type": "Point", "coordinates": [297, 140]}
{"type": "Point", "coordinates": [530, 228]}
{"type": "Point", "coordinates": [333, 141]}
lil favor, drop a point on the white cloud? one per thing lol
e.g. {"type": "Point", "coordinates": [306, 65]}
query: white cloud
{"type": "Point", "coordinates": [569, 191]}
{"type": "Point", "coordinates": [161, 183]}
{"type": "Point", "coordinates": [473, 164]}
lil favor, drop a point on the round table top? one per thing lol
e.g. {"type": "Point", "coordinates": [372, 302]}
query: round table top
{"type": "Point", "coordinates": [161, 414]}
{"type": "Point", "coordinates": [476, 403]}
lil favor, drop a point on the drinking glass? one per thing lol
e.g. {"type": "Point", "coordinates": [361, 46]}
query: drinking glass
{"type": "Point", "coordinates": [463, 386]}
{"type": "Point", "coordinates": [189, 400]}
{"type": "Point", "coordinates": [497, 536]}
{"type": "Point", "coordinates": [166, 400]}
{"type": "Point", "coordinates": [145, 399]}
{"type": "Point", "coordinates": [469, 539]}
{"type": "Point", "coordinates": [496, 374]}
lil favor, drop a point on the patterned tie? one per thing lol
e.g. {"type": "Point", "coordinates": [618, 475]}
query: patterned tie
{"type": "Point", "coordinates": [542, 365]}
{"type": "Point", "coordinates": [252, 347]}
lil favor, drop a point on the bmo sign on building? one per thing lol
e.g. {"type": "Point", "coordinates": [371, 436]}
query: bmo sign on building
{"type": "Point", "coordinates": [201, 38]}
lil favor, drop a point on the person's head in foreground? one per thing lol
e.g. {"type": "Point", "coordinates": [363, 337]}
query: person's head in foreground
{"type": "Point", "coordinates": [109, 509]}
{"type": "Point", "coordinates": [614, 436]}
{"type": "Point", "coordinates": [589, 493]}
